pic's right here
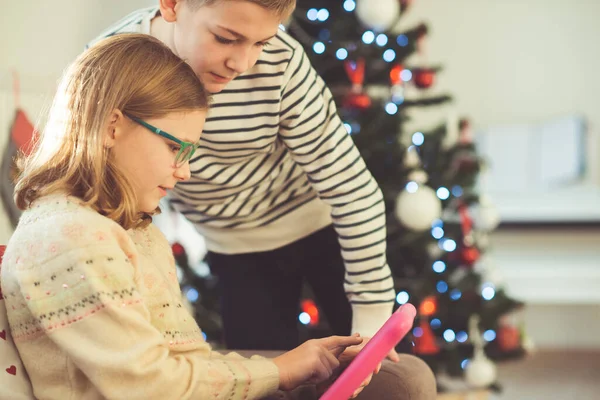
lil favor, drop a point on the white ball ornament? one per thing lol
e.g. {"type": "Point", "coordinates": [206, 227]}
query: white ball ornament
{"type": "Point", "coordinates": [486, 215]}
{"type": "Point", "coordinates": [480, 372]}
{"type": "Point", "coordinates": [378, 15]}
{"type": "Point", "coordinates": [417, 210]}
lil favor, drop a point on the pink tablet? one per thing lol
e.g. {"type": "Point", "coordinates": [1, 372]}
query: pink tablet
{"type": "Point", "coordinates": [386, 338]}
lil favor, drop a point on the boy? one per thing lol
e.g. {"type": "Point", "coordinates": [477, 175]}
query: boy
{"type": "Point", "coordinates": [278, 189]}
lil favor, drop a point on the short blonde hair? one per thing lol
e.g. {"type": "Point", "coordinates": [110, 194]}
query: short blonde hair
{"type": "Point", "coordinates": [134, 73]}
{"type": "Point", "coordinates": [281, 8]}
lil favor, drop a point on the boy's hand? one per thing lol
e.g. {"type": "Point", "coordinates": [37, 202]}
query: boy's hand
{"type": "Point", "coordinates": [313, 361]}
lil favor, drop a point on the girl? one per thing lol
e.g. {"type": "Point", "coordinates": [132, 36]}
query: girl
{"type": "Point", "coordinates": [91, 293]}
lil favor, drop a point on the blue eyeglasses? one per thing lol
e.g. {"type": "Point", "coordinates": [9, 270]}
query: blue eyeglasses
{"type": "Point", "coordinates": [186, 149]}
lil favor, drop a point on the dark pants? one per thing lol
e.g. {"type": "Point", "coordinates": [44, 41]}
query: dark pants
{"type": "Point", "coordinates": [261, 291]}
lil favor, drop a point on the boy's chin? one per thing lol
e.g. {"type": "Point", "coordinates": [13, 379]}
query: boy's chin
{"type": "Point", "coordinates": [214, 88]}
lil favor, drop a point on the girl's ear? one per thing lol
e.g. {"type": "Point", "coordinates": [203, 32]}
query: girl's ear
{"type": "Point", "coordinates": [114, 128]}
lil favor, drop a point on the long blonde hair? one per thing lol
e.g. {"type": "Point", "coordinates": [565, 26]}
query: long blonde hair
{"type": "Point", "coordinates": [134, 73]}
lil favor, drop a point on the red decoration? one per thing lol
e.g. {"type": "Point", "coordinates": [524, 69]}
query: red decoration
{"type": "Point", "coordinates": [509, 338]}
{"type": "Point", "coordinates": [426, 343]}
{"type": "Point", "coordinates": [428, 307]}
{"type": "Point", "coordinates": [178, 249]}
{"type": "Point", "coordinates": [3, 334]}
{"type": "Point", "coordinates": [309, 307]}
{"type": "Point", "coordinates": [360, 101]}
{"type": "Point", "coordinates": [395, 73]}
{"type": "Point", "coordinates": [12, 370]}
{"type": "Point", "coordinates": [468, 254]}
{"type": "Point", "coordinates": [356, 74]}
{"type": "Point", "coordinates": [423, 77]}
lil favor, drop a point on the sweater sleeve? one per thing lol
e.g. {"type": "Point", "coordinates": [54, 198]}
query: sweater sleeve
{"type": "Point", "coordinates": [319, 143]}
{"type": "Point", "coordinates": [86, 301]}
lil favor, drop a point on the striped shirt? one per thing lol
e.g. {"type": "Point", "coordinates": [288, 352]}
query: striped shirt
{"type": "Point", "coordinates": [276, 164]}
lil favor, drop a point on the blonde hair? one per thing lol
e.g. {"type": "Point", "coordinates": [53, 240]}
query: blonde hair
{"type": "Point", "coordinates": [281, 8]}
{"type": "Point", "coordinates": [134, 73]}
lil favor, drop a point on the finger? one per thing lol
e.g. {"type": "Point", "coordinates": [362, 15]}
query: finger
{"type": "Point", "coordinates": [392, 355]}
{"type": "Point", "coordinates": [367, 381]}
{"type": "Point", "coordinates": [337, 344]}
{"type": "Point", "coordinates": [378, 368]}
{"type": "Point", "coordinates": [357, 392]}
{"type": "Point", "coordinates": [333, 362]}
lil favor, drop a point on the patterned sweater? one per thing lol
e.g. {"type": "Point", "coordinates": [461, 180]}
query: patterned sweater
{"type": "Point", "coordinates": [96, 312]}
{"type": "Point", "coordinates": [276, 164]}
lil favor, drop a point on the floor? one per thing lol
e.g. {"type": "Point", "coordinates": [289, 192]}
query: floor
{"type": "Point", "coordinates": [552, 375]}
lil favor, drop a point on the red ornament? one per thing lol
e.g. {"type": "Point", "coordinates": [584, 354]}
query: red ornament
{"type": "Point", "coordinates": [309, 307]}
{"type": "Point", "coordinates": [428, 307]}
{"type": "Point", "coordinates": [359, 101]}
{"type": "Point", "coordinates": [178, 249]}
{"type": "Point", "coordinates": [509, 338]}
{"type": "Point", "coordinates": [395, 73]}
{"type": "Point", "coordinates": [426, 344]}
{"type": "Point", "coordinates": [423, 77]}
{"type": "Point", "coordinates": [356, 74]}
{"type": "Point", "coordinates": [469, 255]}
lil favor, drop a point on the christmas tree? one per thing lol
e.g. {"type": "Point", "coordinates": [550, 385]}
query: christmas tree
{"type": "Point", "coordinates": [438, 223]}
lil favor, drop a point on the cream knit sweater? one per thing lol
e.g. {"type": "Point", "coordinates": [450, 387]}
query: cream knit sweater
{"type": "Point", "coordinates": [96, 312]}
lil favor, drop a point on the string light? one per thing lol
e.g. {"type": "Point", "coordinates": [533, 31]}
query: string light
{"type": "Point", "coordinates": [368, 37]}
{"type": "Point", "coordinates": [439, 266]}
{"type": "Point", "coordinates": [443, 193]}
{"type": "Point", "coordinates": [449, 335]}
{"type": "Point", "coordinates": [192, 295]}
{"type": "Point", "coordinates": [488, 291]}
{"type": "Point", "coordinates": [319, 47]}
{"type": "Point", "coordinates": [349, 5]}
{"type": "Point", "coordinates": [418, 332]}
{"type": "Point", "coordinates": [462, 337]}
{"type": "Point", "coordinates": [412, 187]}
{"type": "Point", "coordinates": [435, 323]}
{"type": "Point", "coordinates": [389, 55]}
{"type": "Point", "coordinates": [402, 297]}
{"type": "Point", "coordinates": [455, 294]}
{"type": "Point", "coordinates": [341, 54]}
{"type": "Point", "coordinates": [323, 14]}
{"type": "Point", "coordinates": [402, 40]}
{"type": "Point", "coordinates": [489, 335]}
{"type": "Point", "coordinates": [391, 108]}
{"type": "Point", "coordinates": [381, 40]}
{"type": "Point", "coordinates": [312, 14]}
{"type": "Point", "coordinates": [304, 318]}
{"type": "Point", "coordinates": [437, 232]}
{"type": "Point", "coordinates": [406, 75]}
{"type": "Point", "coordinates": [441, 287]}
{"type": "Point", "coordinates": [457, 191]}
{"type": "Point", "coordinates": [448, 245]}
{"type": "Point", "coordinates": [418, 138]}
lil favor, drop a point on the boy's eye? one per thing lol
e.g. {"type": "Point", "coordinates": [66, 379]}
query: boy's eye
{"type": "Point", "coordinates": [223, 40]}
